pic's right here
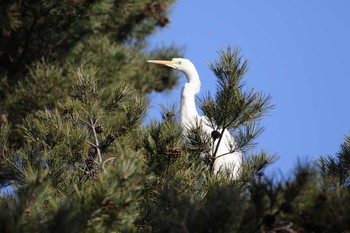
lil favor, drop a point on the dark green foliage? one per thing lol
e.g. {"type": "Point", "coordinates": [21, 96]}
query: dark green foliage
{"type": "Point", "coordinates": [161, 141]}
{"type": "Point", "coordinates": [108, 202]}
{"type": "Point", "coordinates": [43, 42]}
{"type": "Point", "coordinates": [54, 177]}
{"type": "Point", "coordinates": [233, 105]}
{"type": "Point", "coordinates": [184, 195]}
{"type": "Point", "coordinates": [78, 159]}
{"type": "Point", "coordinates": [233, 108]}
{"type": "Point", "coordinates": [51, 29]}
{"type": "Point", "coordinates": [337, 166]}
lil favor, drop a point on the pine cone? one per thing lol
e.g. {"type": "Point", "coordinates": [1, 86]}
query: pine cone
{"type": "Point", "coordinates": [149, 11]}
{"type": "Point", "coordinates": [99, 129]}
{"type": "Point", "coordinates": [170, 115]}
{"type": "Point", "coordinates": [174, 152]}
{"type": "Point", "coordinates": [92, 152]}
{"type": "Point", "coordinates": [93, 173]}
{"type": "Point", "coordinates": [110, 138]}
{"type": "Point", "coordinates": [215, 135]}
{"type": "Point", "coordinates": [107, 142]}
{"type": "Point", "coordinates": [108, 204]}
{"type": "Point", "coordinates": [46, 204]}
{"type": "Point", "coordinates": [77, 156]}
{"type": "Point", "coordinates": [89, 163]}
{"type": "Point", "coordinates": [177, 153]}
{"type": "Point", "coordinates": [162, 21]}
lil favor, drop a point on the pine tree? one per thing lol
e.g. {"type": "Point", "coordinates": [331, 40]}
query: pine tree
{"type": "Point", "coordinates": [73, 95]}
{"type": "Point", "coordinates": [43, 44]}
{"type": "Point", "coordinates": [185, 195]}
{"type": "Point", "coordinates": [74, 86]}
{"type": "Point", "coordinates": [44, 41]}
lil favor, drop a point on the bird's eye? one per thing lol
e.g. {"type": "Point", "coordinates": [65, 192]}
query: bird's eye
{"type": "Point", "coordinates": [179, 62]}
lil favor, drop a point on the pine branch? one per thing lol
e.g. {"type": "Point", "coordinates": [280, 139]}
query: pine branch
{"type": "Point", "coordinates": [107, 160]}
{"type": "Point", "coordinates": [93, 125]}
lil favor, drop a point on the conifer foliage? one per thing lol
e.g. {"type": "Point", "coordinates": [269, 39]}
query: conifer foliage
{"type": "Point", "coordinates": [77, 158]}
{"type": "Point", "coordinates": [41, 41]}
{"type": "Point", "coordinates": [69, 162]}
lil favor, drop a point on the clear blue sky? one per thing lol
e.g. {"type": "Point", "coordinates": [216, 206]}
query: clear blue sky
{"type": "Point", "coordinates": [298, 52]}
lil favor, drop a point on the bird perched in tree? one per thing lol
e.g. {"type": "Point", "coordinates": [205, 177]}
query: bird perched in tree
{"type": "Point", "coordinates": [223, 156]}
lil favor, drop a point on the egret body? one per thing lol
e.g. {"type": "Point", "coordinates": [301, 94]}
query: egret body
{"type": "Point", "coordinates": [189, 116]}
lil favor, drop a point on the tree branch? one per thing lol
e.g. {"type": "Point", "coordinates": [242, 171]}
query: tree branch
{"type": "Point", "coordinates": [96, 142]}
{"type": "Point", "coordinates": [110, 159]}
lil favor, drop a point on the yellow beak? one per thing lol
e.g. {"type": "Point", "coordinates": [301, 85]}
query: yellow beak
{"type": "Point", "coordinates": [163, 62]}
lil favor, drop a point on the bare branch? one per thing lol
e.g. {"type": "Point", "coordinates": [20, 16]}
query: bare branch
{"type": "Point", "coordinates": [110, 159]}
{"type": "Point", "coordinates": [93, 124]}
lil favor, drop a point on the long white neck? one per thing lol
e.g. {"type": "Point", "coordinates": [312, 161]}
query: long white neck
{"type": "Point", "coordinates": [188, 111]}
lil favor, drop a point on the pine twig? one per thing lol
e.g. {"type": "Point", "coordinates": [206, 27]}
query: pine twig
{"type": "Point", "coordinates": [110, 159]}
{"type": "Point", "coordinates": [230, 152]}
{"type": "Point", "coordinates": [92, 144]}
{"type": "Point", "coordinates": [80, 169]}
{"type": "Point", "coordinates": [287, 228]}
{"type": "Point", "coordinates": [92, 125]}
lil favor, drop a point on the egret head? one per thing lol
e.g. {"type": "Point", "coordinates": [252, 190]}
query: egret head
{"type": "Point", "coordinates": [180, 64]}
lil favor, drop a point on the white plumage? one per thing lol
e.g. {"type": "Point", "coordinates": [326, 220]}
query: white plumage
{"type": "Point", "coordinates": [189, 116]}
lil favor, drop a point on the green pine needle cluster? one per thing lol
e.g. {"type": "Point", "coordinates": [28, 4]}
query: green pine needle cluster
{"type": "Point", "coordinates": [233, 108]}
{"type": "Point", "coordinates": [75, 155]}
{"type": "Point", "coordinates": [338, 166]}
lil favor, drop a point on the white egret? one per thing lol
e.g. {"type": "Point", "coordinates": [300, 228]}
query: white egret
{"type": "Point", "coordinates": [224, 158]}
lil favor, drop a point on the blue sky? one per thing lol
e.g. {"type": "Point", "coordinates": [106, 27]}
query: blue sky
{"type": "Point", "coordinates": [298, 52]}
